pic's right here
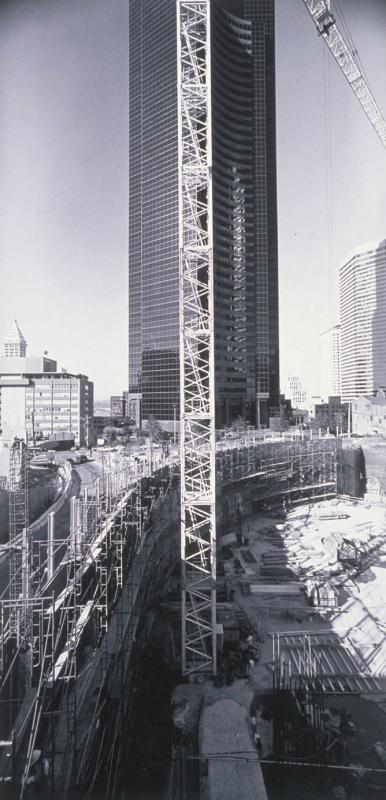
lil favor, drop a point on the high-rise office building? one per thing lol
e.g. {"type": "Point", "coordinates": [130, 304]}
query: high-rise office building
{"type": "Point", "coordinates": [118, 405]}
{"type": "Point", "coordinates": [330, 362]}
{"type": "Point", "coordinates": [362, 280]}
{"type": "Point", "coordinates": [244, 209]}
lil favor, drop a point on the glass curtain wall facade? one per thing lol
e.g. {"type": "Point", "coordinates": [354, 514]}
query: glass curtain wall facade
{"type": "Point", "coordinates": [244, 209]}
{"type": "Point", "coordinates": [153, 207]}
{"type": "Point", "coordinates": [362, 284]}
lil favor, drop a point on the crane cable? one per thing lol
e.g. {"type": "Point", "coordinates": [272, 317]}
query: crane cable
{"type": "Point", "coordinates": [350, 41]}
{"type": "Point", "coordinates": [328, 167]}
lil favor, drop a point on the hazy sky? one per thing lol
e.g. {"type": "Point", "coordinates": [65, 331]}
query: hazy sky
{"type": "Point", "coordinates": [63, 178]}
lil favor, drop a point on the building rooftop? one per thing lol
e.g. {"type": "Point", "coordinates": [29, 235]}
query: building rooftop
{"type": "Point", "coordinates": [377, 400]}
{"type": "Point", "coordinates": [14, 343]}
{"type": "Point", "coordinates": [360, 249]}
{"type": "Point", "coordinates": [14, 335]}
{"type": "Point", "coordinates": [14, 364]}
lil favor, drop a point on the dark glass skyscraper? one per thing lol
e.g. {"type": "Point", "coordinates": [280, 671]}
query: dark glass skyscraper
{"type": "Point", "coordinates": [244, 209]}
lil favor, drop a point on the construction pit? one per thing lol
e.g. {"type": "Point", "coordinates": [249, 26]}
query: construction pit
{"type": "Point", "coordinates": [302, 630]}
{"type": "Point", "coordinates": [297, 707]}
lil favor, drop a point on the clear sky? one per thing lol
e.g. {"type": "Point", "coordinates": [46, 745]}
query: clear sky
{"type": "Point", "coordinates": [63, 178]}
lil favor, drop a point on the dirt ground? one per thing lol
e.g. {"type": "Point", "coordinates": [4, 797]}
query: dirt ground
{"type": "Point", "coordinates": [267, 577]}
{"type": "Point", "coordinates": [306, 543]}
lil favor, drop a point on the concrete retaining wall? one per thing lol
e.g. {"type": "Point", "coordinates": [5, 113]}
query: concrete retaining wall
{"type": "Point", "coordinates": [351, 470]}
{"type": "Point", "coordinates": [361, 466]}
{"type": "Point", "coordinates": [374, 457]}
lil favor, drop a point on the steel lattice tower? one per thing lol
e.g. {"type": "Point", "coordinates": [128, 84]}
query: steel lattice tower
{"type": "Point", "coordinates": [198, 492]}
{"type": "Point", "coordinates": [347, 61]}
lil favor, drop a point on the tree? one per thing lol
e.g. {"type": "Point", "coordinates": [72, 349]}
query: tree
{"type": "Point", "coordinates": [154, 429]}
{"type": "Point", "coordinates": [279, 423]}
{"type": "Point", "coordinates": [109, 434]}
{"type": "Point", "coordinates": [239, 425]}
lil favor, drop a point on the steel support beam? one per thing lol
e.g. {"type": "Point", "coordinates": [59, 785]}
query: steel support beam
{"type": "Point", "coordinates": [197, 396]}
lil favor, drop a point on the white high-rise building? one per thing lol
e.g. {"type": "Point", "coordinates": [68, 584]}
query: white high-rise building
{"type": "Point", "coordinates": [330, 362]}
{"type": "Point", "coordinates": [296, 392]}
{"type": "Point", "coordinates": [362, 281]}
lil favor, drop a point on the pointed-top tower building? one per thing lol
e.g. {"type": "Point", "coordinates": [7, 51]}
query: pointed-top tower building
{"type": "Point", "coordinates": [15, 345]}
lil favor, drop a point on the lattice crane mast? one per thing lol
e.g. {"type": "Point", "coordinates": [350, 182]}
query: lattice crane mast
{"type": "Point", "coordinates": [347, 61]}
{"type": "Point", "coordinates": [197, 445]}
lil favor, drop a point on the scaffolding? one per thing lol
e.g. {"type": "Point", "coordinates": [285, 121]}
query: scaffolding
{"type": "Point", "coordinates": [142, 575]}
{"type": "Point", "coordinates": [197, 397]}
{"type": "Point", "coordinates": [19, 539]}
{"type": "Point", "coordinates": [92, 591]}
{"type": "Point", "coordinates": [284, 471]}
{"type": "Point", "coordinates": [297, 706]}
{"type": "Point", "coordinates": [91, 588]}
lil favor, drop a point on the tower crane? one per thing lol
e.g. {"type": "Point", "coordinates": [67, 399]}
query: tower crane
{"type": "Point", "coordinates": [197, 390]}
{"type": "Point", "coordinates": [347, 61]}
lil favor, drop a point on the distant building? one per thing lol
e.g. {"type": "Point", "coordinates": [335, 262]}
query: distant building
{"type": "Point", "coordinates": [15, 344]}
{"type": "Point", "coordinates": [296, 392]}
{"type": "Point", "coordinates": [60, 403]}
{"type": "Point", "coordinates": [313, 401]}
{"type": "Point", "coordinates": [37, 401]}
{"type": "Point", "coordinates": [299, 416]}
{"type": "Point", "coordinates": [14, 358]}
{"type": "Point", "coordinates": [288, 416]}
{"type": "Point", "coordinates": [362, 281]}
{"type": "Point", "coordinates": [134, 407]}
{"type": "Point", "coordinates": [332, 415]}
{"type": "Point", "coordinates": [330, 362]}
{"type": "Point", "coordinates": [369, 414]}
{"type": "Point", "coordinates": [118, 405]}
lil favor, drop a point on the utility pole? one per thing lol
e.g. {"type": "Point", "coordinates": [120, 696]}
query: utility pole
{"type": "Point", "coordinates": [197, 395]}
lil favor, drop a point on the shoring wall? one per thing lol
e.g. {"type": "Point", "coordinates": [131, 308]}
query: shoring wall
{"type": "Point", "coordinates": [263, 474]}
{"type": "Point", "coordinates": [281, 473]}
{"type": "Point", "coordinates": [372, 460]}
